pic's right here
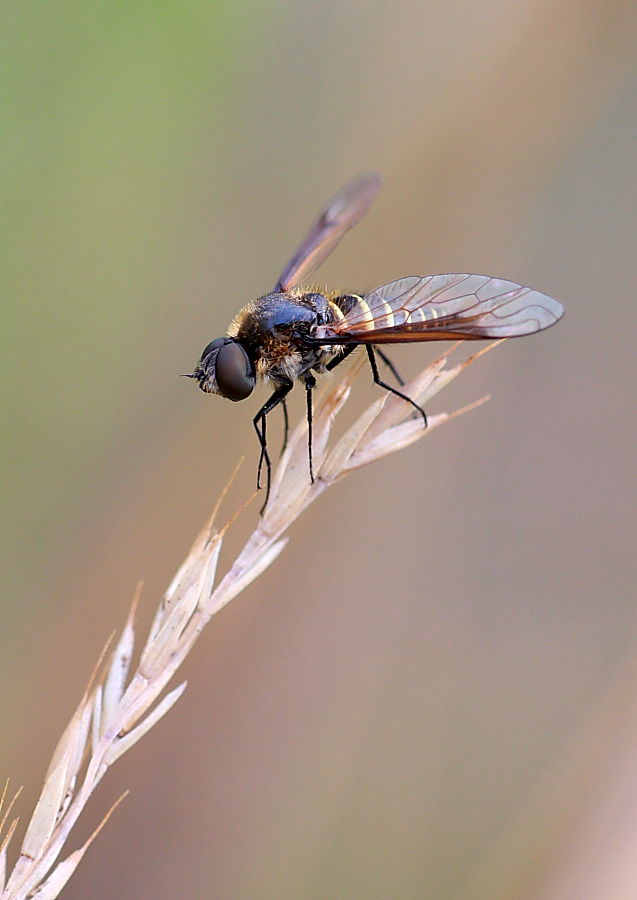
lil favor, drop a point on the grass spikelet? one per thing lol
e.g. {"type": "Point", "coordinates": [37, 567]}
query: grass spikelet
{"type": "Point", "coordinates": [123, 702]}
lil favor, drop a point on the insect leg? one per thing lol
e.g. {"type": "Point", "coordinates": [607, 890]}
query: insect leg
{"type": "Point", "coordinates": [310, 383]}
{"type": "Point", "coordinates": [392, 368]}
{"type": "Point", "coordinates": [333, 363]}
{"type": "Point", "coordinates": [286, 426]}
{"type": "Point", "coordinates": [259, 426]}
{"type": "Point", "coordinates": [372, 362]}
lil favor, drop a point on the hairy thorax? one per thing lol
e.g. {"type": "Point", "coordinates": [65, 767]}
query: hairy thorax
{"type": "Point", "coordinates": [273, 328]}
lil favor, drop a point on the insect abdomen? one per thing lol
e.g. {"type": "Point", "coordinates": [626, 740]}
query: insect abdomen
{"type": "Point", "coordinates": [355, 305]}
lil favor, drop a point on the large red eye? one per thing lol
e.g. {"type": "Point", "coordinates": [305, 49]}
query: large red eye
{"type": "Point", "coordinates": [233, 372]}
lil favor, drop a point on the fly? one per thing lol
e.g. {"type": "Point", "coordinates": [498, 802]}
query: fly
{"type": "Point", "coordinates": [293, 333]}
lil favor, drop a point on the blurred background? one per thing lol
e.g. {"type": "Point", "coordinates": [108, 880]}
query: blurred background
{"type": "Point", "coordinates": [431, 694]}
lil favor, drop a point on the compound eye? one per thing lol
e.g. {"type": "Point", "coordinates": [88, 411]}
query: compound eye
{"type": "Point", "coordinates": [213, 345]}
{"type": "Point", "coordinates": [233, 372]}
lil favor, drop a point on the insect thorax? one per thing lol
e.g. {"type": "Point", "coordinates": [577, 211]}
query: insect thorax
{"type": "Point", "coordinates": [272, 328]}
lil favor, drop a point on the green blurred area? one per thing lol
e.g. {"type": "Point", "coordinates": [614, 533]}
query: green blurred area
{"type": "Point", "coordinates": [371, 717]}
{"type": "Point", "coordinates": [105, 109]}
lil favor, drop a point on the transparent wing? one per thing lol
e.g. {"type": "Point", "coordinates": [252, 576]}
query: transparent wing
{"type": "Point", "coordinates": [342, 212]}
{"type": "Point", "coordinates": [447, 307]}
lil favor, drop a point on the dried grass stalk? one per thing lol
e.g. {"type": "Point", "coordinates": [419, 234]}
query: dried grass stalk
{"type": "Point", "coordinates": [116, 710]}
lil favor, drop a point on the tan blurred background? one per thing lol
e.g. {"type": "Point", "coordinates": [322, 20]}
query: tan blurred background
{"type": "Point", "coordinates": [378, 715]}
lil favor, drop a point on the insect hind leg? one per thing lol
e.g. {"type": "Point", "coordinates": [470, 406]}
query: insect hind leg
{"type": "Point", "coordinates": [392, 368]}
{"type": "Point", "coordinates": [349, 348]}
{"type": "Point", "coordinates": [377, 380]}
{"type": "Point", "coordinates": [333, 363]}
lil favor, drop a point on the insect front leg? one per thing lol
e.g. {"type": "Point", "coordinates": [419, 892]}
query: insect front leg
{"type": "Point", "coordinates": [259, 423]}
{"type": "Point", "coordinates": [286, 426]}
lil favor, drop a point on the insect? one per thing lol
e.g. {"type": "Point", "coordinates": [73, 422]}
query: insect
{"type": "Point", "coordinates": [294, 332]}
